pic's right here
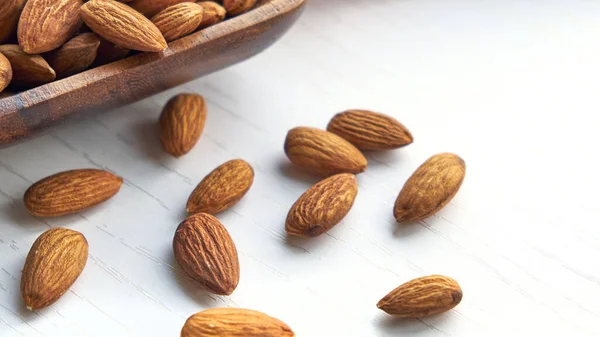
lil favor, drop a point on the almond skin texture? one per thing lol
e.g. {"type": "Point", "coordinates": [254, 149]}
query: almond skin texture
{"type": "Point", "coordinates": [47, 24]}
{"type": "Point", "coordinates": [152, 7]}
{"type": "Point", "coordinates": [181, 123]}
{"type": "Point", "coordinates": [370, 130]}
{"type": "Point", "coordinates": [74, 56]}
{"type": "Point", "coordinates": [70, 192]}
{"type": "Point", "coordinates": [430, 188]}
{"type": "Point", "coordinates": [222, 188]}
{"type": "Point", "coordinates": [5, 72]}
{"type": "Point", "coordinates": [10, 11]}
{"type": "Point", "coordinates": [422, 297]}
{"type": "Point", "coordinates": [121, 25]}
{"type": "Point", "coordinates": [323, 153]}
{"type": "Point", "coordinates": [237, 7]}
{"type": "Point", "coordinates": [323, 206]}
{"type": "Point", "coordinates": [53, 264]}
{"type": "Point", "coordinates": [178, 20]}
{"type": "Point", "coordinates": [231, 322]}
{"type": "Point", "coordinates": [213, 13]}
{"type": "Point", "coordinates": [206, 253]}
{"type": "Point", "coordinates": [28, 70]}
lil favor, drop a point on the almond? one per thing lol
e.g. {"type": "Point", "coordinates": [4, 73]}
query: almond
{"type": "Point", "coordinates": [370, 130]}
{"type": "Point", "coordinates": [422, 297]}
{"type": "Point", "coordinates": [5, 72]}
{"type": "Point", "coordinates": [213, 13]}
{"type": "Point", "coordinates": [151, 7]}
{"type": "Point", "coordinates": [207, 254]}
{"type": "Point", "coordinates": [54, 262]}
{"type": "Point", "coordinates": [237, 7]}
{"type": "Point", "coordinates": [70, 192]}
{"type": "Point", "coordinates": [10, 11]}
{"type": "Point", "coordinates": [231, 322]}
{"type": "Point", "coordinates": [323, 206]}
{"type": "Point", "coordinates": [74, 56]}
{"type": "Point", "coordinates": [323, 153]}
{"type": "Point", "coordinates": [47, 24]}
{"type": "Point", "coordinates": [121, 25]}
{"type": "Point", "coordinates": [181, 123]}
{"type": "Point", "coordinates": [28, 70]}
{"type": "Point", "coordinates": [430, 188]}
{"type": "Point", "coordinates": [178, 20]}
{"type": "Point", "coordinates": [222, 188]}
{"type": "Point", "coordinates": [109, 52]}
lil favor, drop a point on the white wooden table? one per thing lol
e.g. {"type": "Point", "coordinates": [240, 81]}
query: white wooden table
{"type": "Point", "coordinates": [512, 86]}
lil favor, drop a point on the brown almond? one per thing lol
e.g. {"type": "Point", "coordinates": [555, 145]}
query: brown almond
{"type": "Point", "coordinates": [74, 56]}
{"type": "Point", "coordinates": [53, 264]}
{"type": "Point", "coordinates": [430, 188]}
{"type": "Point", "coordinates": [47, 24]}
{"type": "Point", "coordinates": [109, 52]}
{"type": "Point", "coordinates": [232, 322]}
{"type": "Point", "coordinates": [152, 7]}
{"type": "Point", "coordinates": [10, 11]}
{"type": "Point", "coordinates": [322, 206]}
{"type": "Point", "coordinates": [237, 7]}
{"type": "Point", "coordinates": [222, 188]}
{"type": "Point", "coordinates": [369, 130]}
{"type": "Point", "coordinates": [121, 25]}
{"type": "Point", "coordinates": [213, 13]}
{"type": "Point", "coordinates": [5, 72]}
{"type": "Point", "coordinates": [206, 253]}
{"type": "Point", "coordinates": [323, 153]}
{"type": "Point", "coordinates": [28, 70]}
{"type": "Point", "coordinates": [178, 20]}
{"type": "Point", "coordinates": [422, 297]}
{"type": "Point", "coordinates": [181, 123]}
{"type": "Point", "coordinates": [71, 191]}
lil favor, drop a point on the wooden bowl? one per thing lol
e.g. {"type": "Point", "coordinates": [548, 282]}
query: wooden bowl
{"type": "Point", "coordinates": [31, 112]}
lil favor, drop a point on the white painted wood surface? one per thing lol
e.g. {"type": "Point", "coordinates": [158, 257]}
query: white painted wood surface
{"type": "Point", "coordinates": [511, 86]}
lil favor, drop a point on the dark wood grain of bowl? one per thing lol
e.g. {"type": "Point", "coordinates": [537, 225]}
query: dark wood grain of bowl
{"type": "Point", "coordinates": [31, 112]}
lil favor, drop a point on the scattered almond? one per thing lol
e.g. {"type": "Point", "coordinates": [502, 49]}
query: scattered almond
{"type": "Point", "coordinates": [47, 24]}
{"type": "Point", "coordinates": [222, 188]}
{"type": "Point", "coordinates": [71, 191]}
{"type": "Point", "coordinates": [178, 20]}
{"type": "Point", "coordinates": [181, 123]}
{"type": "Point", "coordinates": [230, 322]}
{"type": "Point", "coordinates": [151, 7]}
{"type": "Point", "coordinates": [5, 72]}
{"type": "Point", "coordinates": [422, 297]}
{"type": "Point", "coordinates": [74, 56]}
{"type": "Point", "coordinates": [28, 70]}
{"type": "Point", "coordinates": [323, 153]}
{"type": "Point", "coordinates": [237, 7]}
{"type": "Point", "coordinates": [54, 262]}
{"type": "Point", "coordinates": [121, 25]}
{"type": "Point", "coordinates": [370, 130]}
{"type": "Point", "coordinates": [430, 188]}
{"type": "Point", "coordinates": [109, 52]}
{"type": "Point", "coordinates": [10, 11]}
{"type": "Point", "coordinates": [213, 13]}
{"type": "Point", "coordinates": [206, 253]}
{"type": "Point", "coordinates": [323, 206]}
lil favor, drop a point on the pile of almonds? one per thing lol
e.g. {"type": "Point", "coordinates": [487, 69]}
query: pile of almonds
{"type": "Point", "coordinates": [202, 246]}
{"type": "Point", "coordinates": [45, 40]}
